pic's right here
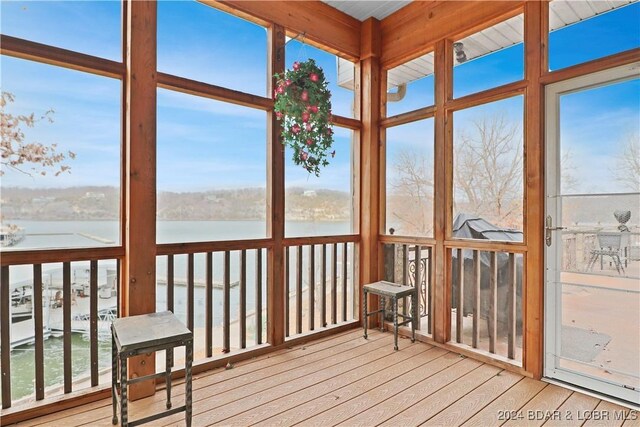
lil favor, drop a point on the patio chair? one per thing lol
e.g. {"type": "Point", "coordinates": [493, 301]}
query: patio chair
{"type": "Point", "coordinates": [611, 244]}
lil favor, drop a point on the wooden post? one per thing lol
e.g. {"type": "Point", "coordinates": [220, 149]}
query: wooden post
{"type": "Point", "coordinates": [442, 189]}
{"type": "Point", "coordinates": [275, 197]}
{"type": "Point", "coordinates": [370, 261]}
{"type": "Point", "coordinates": [535, 42]}
{"type": "Point", "coordinates": [139, 266]}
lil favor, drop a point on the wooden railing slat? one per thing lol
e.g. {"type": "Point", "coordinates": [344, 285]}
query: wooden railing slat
{"type": "Point", "coordinates": [312, 287]}
{"type": "Point", "coordinates": [334, 284]}
{"type": "Point", "coordinates": [405, 274]}
{"type": "Point", "coordinates": [5, 338]}
{"type": "Point", "coordinates": [242, 315]}
{"type": "Point", "coordinates": [476, 298]}
{"type": "Point", "coordinates": [493, 302]}
{"type": "Point", "coordinates": [287, 279]}
{"type": "Point", "coordinates": [299, 290]}
{"type": "Point", "coordinates": [511, 307]}
{"type": "Point", "coordinates": [226, 303]}
{"type": "Point", "coordinates": [93, 320]}
{"type": "Point", "coordinates": [418, 276]}
{"type": "Point", "coordinates": [118, 287]}
{"type": "Point", "coordinates": [66, 326]}
{"type": "Point", "coordinates": [209, 305]}
{"type": "Point", "coordinates": [431, 306]}
{"type": "Point", "coordinates": [170, 265]}
{"type": "Point", "coordinates": [38, 321]}
{"type": "Point", "coordinates": [344, 280]}
{"type": "Point", "coordinates": [258, 294]}
{"type": "Point", "coordinates": [323, 296]}
{"type": "Point", "coordinates": [460, 308]}
{"type": "Point", "coordinates": [190, 291]}
{"type": "Point", "coordinates": [405, 264]}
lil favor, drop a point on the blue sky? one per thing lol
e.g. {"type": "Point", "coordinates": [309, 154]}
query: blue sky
{"type": "Point", "coordinates": [205, 144]}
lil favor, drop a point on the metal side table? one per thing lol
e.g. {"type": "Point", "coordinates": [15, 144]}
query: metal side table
{"type": "Point", "coordinates": [394, 291]}
{"type": "Point", "coordinates": [147, 333]}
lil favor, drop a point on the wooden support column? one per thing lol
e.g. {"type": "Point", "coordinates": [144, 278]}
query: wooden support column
{"type": "Point", "coordinates": [443, 195]}
{"type": "Point", "coordinates": [535, 42]}
{"type": "Point", "coordinates": [139, 266]}
{"type": "Point", "coordinates": [370, 259]}
{"type": "Point", "coordinates": [275, 197]}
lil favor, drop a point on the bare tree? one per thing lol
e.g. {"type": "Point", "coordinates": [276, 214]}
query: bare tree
{"type": "Point", "coordinates": [567, 171]}
{"type": "Point", "coordinates": [22, 156]}
{"type": "Point", "coordinates": [412, 195]}
{"type": "Point", "coordinates": [627, 170]}
{"type": "Point", "coordinates": [488, 162]}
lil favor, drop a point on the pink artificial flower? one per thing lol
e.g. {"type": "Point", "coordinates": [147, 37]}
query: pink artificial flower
{"type": "Point", "coordinates": [309, 142]}
{"type": "Point", "coordinates": [296, 65]}
{"type": "Point", "coordinates": [305, 117]}
{"type": "Point", "coordinates": [308, 127]}
{"type": "Point", "coordinates": [305, 95]}
{"type": "Point", "coordinates": [278, 115]}
{"type": "Point", "coordinates": [280, 89]}
{"type": "Point", "coordinates": [314, 77]}
{"type": "Point", "coordinates": [303, 156]}
{"type": "Point", "coordinates": [295, 128]}
{"type": "Point", "coordinates": [313, 108]}
{"type": "Point", "coordinates": [288, 82]}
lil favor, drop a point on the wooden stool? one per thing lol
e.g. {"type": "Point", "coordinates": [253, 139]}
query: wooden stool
{"type": "Point", "coordinates": [395, 292]}
{"type": "Point", "coordinates": [147, 333]}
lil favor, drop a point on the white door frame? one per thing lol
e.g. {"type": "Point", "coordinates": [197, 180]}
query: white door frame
{"type": "Point", "coordinates": [552, 310]}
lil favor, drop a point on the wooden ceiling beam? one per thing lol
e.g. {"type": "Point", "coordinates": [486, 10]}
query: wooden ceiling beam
{"type": "Point", "coordinates": [323, 25]}
{"type": "Point", "coordinates": [415, 29]}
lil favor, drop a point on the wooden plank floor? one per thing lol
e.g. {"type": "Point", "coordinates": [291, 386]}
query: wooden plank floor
{"type": "Point", "coordinates": [346, 380]}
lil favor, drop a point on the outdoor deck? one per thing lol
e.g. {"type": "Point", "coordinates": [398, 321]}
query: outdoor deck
{"type": "Point", "coordinates": [344, 379]}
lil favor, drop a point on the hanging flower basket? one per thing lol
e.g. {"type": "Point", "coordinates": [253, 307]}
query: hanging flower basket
{"type": "Point", "coordinates": [303, 103]}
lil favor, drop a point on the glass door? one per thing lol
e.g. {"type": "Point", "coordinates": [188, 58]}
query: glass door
{"type": "Point", "coordinates": [592, 232]}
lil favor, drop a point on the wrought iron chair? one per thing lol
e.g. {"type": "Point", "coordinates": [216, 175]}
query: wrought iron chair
{"type": "Point", "coordinates": [611, 244]}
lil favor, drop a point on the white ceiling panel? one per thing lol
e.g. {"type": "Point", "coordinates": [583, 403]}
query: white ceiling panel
{"type": "Point", "coordinates": [364, 9]}
{"type": "Point", "coordinates": [567, 12]}
{"type": "Point", "coordinates": [500, 36]}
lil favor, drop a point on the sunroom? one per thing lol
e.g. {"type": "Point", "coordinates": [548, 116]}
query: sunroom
{"type": "Point", "coordinates": [484, 153]}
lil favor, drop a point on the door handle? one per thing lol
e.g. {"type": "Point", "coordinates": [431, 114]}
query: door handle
{"type": "Point", "coordinates": [549, 228]}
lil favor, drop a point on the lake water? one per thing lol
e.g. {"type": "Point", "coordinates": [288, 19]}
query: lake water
{"type": "Point", "coordinates": [67, 234]}
{"type": "Point", "coordinates": [70, 234]}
